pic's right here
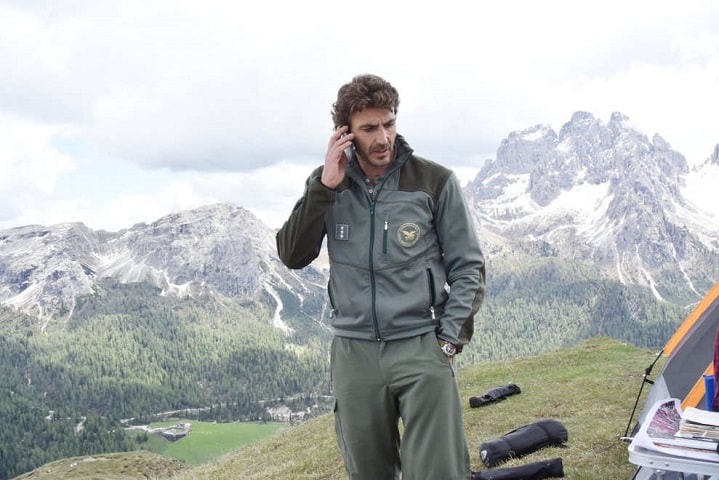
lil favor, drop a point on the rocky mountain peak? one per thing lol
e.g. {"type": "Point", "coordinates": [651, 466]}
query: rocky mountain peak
{"type": "Point", "coordinates": [214, 249]}
{"type": "Point", "coordinates": [598, 191]}
{"type": "Point", "coordinates": [602, 193]}
{"type": "Point", "coordinates": [515, 153]}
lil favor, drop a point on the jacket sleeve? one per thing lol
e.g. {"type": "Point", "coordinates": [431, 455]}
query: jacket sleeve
{"type": "Point", "coordinates": [300, 239]}
{"type": "Point", "coordinates": [463, 262]}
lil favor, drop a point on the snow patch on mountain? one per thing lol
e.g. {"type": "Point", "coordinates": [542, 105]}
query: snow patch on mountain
{"type": "Point", "coordinates": [606, 194]}
{"type": "Point", "coordinates": [513, 200]}
{"type": "Point", "coordinates": [584, 208]}
{"type": "Point", "coordinates": [701, 189]}
{"type": "Point", "coordinates": [277, 317]}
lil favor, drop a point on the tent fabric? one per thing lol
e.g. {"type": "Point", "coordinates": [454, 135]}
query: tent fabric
{"type": "Point", "coordinates": [690, 356]}
{"type": "Point", "coordinates": [715, 398]}
{"type": "Point", "coordinates": [691, 353]}
{"type": "Point", "coordinates": [696, 316]}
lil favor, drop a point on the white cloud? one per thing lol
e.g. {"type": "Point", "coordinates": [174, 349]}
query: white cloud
{"type": "Point", "coordinates": [115, 111]}
{"type": "Point", "coordinates": [30, 164]}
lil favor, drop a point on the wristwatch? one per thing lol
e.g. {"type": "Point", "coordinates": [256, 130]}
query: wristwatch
{"type": "Point", "coordinates": [449, 349]}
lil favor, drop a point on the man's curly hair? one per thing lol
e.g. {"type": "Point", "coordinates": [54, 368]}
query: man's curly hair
{"type": "Point", "coordinates": [364, 91]}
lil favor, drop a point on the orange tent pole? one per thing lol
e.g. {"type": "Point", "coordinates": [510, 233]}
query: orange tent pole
{"type": "Point", "coordinates": [691, 320]}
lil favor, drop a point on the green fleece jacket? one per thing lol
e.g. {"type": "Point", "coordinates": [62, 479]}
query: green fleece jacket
{"type": "Point", "coordinates": [404, 255]}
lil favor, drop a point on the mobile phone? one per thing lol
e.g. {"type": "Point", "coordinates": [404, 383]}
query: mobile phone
{"type": "Point", "coordinates": [349, 151]}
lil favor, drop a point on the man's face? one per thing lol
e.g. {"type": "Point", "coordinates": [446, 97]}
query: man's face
{"type": "Point", "coordinates": [374, 133]}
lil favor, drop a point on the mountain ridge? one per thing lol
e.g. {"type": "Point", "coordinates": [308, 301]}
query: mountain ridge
{"type": "Point", "coordinates": [213, 249]}
{"type": "Point", "coordinates": [604, 193]}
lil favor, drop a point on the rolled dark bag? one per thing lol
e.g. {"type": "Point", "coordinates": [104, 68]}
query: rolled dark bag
{"type": "Point", "coordinates": [494, 395]}
{"type": "Point", "coordinates": [551, 468]}
{"type": "Point", "coordinates": [522, 441]}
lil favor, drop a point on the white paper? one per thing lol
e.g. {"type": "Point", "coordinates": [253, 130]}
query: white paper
{"type": "Point", "coordinates": [658, 431]}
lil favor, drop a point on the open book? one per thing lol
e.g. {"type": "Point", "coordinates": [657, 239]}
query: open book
{"type": "Point", "coordinates": [701, 424]}
{"type": "Point", "coordinates": [661, 432]}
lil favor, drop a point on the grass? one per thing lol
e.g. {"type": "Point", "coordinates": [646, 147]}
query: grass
{"type": "Point", "coordinates": [115, 466]}
{"type": "Point", "coordinates": [206, 442]}
{"type": "Point", "coordinates": [590, 389]}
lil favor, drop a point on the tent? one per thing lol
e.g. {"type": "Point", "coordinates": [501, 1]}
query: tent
{"type": "Point", "coordinates": [689, 356]}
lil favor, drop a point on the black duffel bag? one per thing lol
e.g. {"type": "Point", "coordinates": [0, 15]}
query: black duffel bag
{"type": "Point", "coordinates": [552, 468]}
{"type": "Point", "coordinates": [522, 441]}
{"type": "Point", "coordinates": [494, 395]}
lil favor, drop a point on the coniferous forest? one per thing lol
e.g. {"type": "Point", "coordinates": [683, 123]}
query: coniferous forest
{"type": "Point", "coordinates": [125, 353]}
{"type": "Point", "coordinates": [128, 353]}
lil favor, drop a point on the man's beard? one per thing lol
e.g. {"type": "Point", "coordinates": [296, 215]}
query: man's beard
{"type": "Point", "coordinates": [365, 154]}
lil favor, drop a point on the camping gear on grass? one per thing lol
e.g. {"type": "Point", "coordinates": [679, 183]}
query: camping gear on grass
{"type": "Point", "coordinates": [552, 468]}
{"type": "Point", "coordinates": [494, 395]}
{"type": "Point", "coordinates": [690, 355]}
{"type": "Point", "coordinates": [522, 441]}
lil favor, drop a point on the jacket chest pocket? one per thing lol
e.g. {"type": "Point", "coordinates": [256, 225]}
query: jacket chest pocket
{"type": "Point", "coordinates": [402, 237]}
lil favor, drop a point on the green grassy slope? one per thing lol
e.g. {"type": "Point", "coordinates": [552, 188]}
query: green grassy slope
{"type": "Point", "coordinates": [116, 466]}
{"type": "Point", "coordinates": [590, 388]}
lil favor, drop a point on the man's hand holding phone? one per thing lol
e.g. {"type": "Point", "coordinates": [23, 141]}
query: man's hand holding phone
{"type": "Point", "coordinates": [339, 150]}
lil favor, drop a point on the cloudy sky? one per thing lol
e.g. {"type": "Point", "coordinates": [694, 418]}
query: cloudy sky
{"type": "Point", "coordinates": [118, 112]}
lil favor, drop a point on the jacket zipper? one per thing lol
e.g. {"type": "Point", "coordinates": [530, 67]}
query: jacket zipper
{"type": "Point", "coordinates": [373, 285]}
{"type": "Point", "coordinates": [384, 235]}
{"type": "Point", "coordinates": [432, 294]}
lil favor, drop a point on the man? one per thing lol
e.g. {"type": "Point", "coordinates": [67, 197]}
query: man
{"type": "Point", "coordinates": [406, 279]}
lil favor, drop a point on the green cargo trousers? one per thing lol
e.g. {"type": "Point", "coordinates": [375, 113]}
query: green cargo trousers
{"type": "Point", "coordinates": [378, 383]}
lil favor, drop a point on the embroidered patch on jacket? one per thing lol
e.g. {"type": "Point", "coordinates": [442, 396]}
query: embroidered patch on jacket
{"type": "Point", "coordinates": [342, 231]}
{"type": "Point", "coordinates": [408, 234]}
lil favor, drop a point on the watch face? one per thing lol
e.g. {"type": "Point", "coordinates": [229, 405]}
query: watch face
{"type": "Point", "coordinates": [449, 349]}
